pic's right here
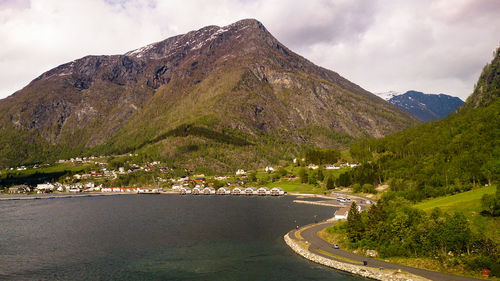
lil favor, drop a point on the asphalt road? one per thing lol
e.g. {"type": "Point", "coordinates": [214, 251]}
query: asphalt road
{"type": "Point", "coordinates": [316, 243]}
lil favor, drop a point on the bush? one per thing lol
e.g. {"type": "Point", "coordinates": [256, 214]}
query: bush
{"type": "Point", "coordinates": [479, 262]}
{"type": "Point", "coordinates": [392, 250]}
{"type": "Point", "coordinates": [368, 188]}
{"type": "Point", "coordinates": [356, 188]}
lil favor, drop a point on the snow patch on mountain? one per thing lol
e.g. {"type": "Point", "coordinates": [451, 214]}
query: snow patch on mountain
{"type": "Point", "coordinates": [388, 95]}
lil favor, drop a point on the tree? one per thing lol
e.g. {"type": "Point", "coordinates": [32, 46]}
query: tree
{"type": "Point", "coordinates": [321, 176]}
{"type": "Point", "coordinates": [252, 176]}
{"type": "Point", "coordinates": [330, 183]}
{"type": "Point", "coordinates": [282, 171]}
{"type": "Point", "coordinates": [491, 203]}
{"type": "Point", "coordinates": [355, 227]}
{"type": "Point", "coordinates": [344, 179]}
{"type": "Point", "coordinates": [313, 178]}
{"type": "Point", "coordinates": [303, 175]}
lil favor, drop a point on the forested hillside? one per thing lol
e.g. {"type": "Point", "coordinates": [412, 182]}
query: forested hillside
{"type": "Point", "coordinates": [453, 155]}
{"type": "Point", "coordinates": [442, 157]}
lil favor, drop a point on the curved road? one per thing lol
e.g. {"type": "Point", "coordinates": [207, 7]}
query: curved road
{"type": "Point", "coordinates": [310, 235]}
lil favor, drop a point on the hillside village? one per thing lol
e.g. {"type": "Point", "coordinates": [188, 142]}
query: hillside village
{"type": "Point", "coordinates": [126, 174]}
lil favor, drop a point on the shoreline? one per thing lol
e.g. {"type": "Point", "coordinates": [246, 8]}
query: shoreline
{"type": "Point", "coordinates": [302, 249]}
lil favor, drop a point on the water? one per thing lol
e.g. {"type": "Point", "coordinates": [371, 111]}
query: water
{"type": "Point", "coordinates": [156, 237]}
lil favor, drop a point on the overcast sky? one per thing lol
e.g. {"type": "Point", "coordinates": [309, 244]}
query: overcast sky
{"type": "Point", "coordinates": [431, 46]}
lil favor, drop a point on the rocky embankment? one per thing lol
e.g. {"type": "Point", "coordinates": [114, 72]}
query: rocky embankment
{"type": "Point", "coordinates": [368, 272]}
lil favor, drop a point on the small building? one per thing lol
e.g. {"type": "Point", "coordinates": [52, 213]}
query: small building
{"type": "Point", "coordinates": [237, 191]}
{"type": "Point", "coordinates": [196, 190]}
{"type": "Point", "coordinates": [185, 190]}
{"type": "Point", "coordinates": [208, 191]}
{"type": "Point", "coordinates": [263, 191]}
{"type": "Point", "coordinates": [312, 166]}
{"type": "Point", "coordinates": [269, 169]}
{"type": "Point", "coordinates": [45, 187]}
{"type": "Point", "coordinates": [342, 213]}
{"type": "Point", "coordinates": [277, 191]}
{"type": "Point", "coordinates": [19, 189]}
{"type": "Point", "coordinates": [240, 172]}
{"type": "Point", "coordinates": [147, 190]}
{"type": "Point", "coordinates": [74, 189]}
{"type": "Point", "coordinates": [250, 191]}
{"type": "Point", "coordinates": [223, 191]}
{"type": "Point", "coordinates": [176, 187]}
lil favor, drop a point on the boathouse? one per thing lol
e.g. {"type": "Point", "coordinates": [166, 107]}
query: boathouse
{"type": "Point", "coordinates": [263, 191]}
{"type": "Point", "coordinates": [208, 191]}
{"type": "Point", "coordinates": [223, 191]}
{"type": "Point", "coordinates": [237, 191]}
{"type": "Point", "coordinates": [276, 191]}
{"type": "Point", "coordinates": [196, 190]}
{"type": "Point", "coordinates": [185, 190]}
{"type": "Point", "coordinates": [250, 191]}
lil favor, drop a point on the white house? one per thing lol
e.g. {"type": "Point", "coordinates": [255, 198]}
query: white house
{"type": "Point", "coordinates": [223, 191]}
{"type": "Point", "coordinates": [45, 186]}
{"type": "Point", "coordinates": [312, 166]}
{"type": "Point", "coordinates": [240, 172]}
{"type": "Point", "coordinates": [251, 191]}
{"type": "Point", "coordinates": [263, 191]}
{"type": "Point", "coordinates": [185, 190]}
{"type": "Point", "coordinates": [209, 190]}
{"type": "Point", "coordinates": [276, 191]}
{"type": "Point", "coordinates": [269, 169]}
{"type": "Point", "coordinates": [342, 213]}
{"type": "Point", "coordinates": [237, 191]}
{"type": "Point", "coordinates": [196, 191]}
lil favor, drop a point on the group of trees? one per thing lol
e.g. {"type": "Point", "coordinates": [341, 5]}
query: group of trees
{"type": "Point", "coordinates": [322, 156]}
{"type": "Point", "coordinates": [311, 176]}
{"type": "Point", "coordinates": [491, 203]}
{"type": "Point", "coordinates": [394, 229]}
{"type": "Point", "coordinates": [434, 159]}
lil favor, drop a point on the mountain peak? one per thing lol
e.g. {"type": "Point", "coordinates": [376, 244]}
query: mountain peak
{"type": "Point", "coordinates": [487, 88]}
{"type": "Point", "coordinates": [425, 107]}
{"type": "Point", "coordinates": [234, 85]}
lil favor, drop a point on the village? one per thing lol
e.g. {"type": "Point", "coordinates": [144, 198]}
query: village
{"type": "Point", "coordinates": [126, 175]}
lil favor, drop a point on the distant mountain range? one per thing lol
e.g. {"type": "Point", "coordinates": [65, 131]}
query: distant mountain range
{"type": "Point", "coordinates": [215, 98]}
{"type": "Point", "coordinates": [426, 107]}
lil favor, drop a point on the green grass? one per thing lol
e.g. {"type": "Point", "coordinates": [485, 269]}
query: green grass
{"type": "Point", "coordinates": [338, 257]}
{"type": "Point", "coordinates": [295, 186]}
{"type": "Point", "coordinates": [468, 203]}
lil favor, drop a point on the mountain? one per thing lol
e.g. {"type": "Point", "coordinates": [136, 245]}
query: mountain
{"type": "Point", "coordinates": [388, 95]}
{"type": "Point", "coordinates": [217, 97]}
{"type": "Point", "coordinates": [447, 156]}
{"type": "Point", "coordinates": [426, 107]}
{"type": "Point", "coordinates": [487, 89]}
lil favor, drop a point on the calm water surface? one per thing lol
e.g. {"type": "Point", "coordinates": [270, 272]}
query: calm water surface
{"type": "Point", "coordinates": [156, 237]}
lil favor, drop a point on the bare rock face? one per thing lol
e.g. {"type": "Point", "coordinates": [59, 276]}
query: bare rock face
{"type": "Point", "coordinates": [236, 77]}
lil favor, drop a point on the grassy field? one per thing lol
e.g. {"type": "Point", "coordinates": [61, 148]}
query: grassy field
{"type": "Point", "coordinates": [42, 174]}
{"type": "Point", "coordinates": [296, 186]}
{"type": "Point", "coordinates": [468, 203]}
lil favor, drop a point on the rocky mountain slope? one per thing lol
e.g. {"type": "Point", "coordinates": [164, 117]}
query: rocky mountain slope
{"type": "Point", "coordinates": [426, 107]}
{"type": "Point", "coordinates": [234, 86]}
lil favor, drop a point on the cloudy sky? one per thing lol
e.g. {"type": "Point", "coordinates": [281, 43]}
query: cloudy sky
{"type": "Point", "coordinates": [433, 46]}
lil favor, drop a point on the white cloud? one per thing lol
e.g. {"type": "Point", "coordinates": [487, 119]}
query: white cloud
{"type": "Point", "coordinates": [433, 46]}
